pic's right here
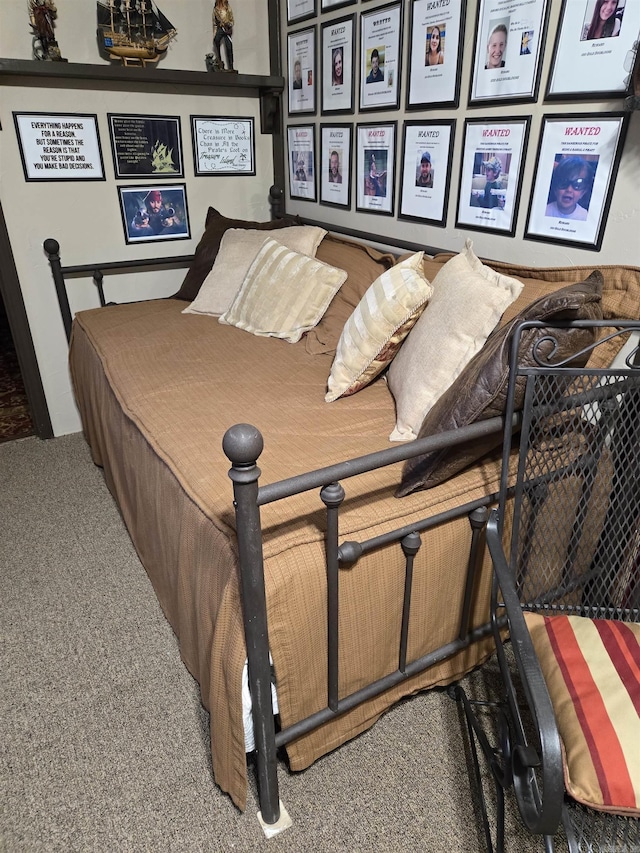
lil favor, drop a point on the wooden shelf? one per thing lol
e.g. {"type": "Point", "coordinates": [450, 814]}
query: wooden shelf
{"type": "Point", "coordinates": [213, 82]}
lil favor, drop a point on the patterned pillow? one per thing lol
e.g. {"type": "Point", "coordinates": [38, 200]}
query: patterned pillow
{"type": "Point", "coordinates": [284, 293]}
{"type": "Point", "coordinates": [375, 330]}
{"type": "Point", "coordinates": [592, 671]}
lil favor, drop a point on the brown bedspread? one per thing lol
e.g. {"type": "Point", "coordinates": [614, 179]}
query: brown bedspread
{"type": "Point", "coordinates": [156, 390]}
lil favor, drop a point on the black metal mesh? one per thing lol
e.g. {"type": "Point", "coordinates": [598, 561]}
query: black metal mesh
{"type": "Point", "coordinates": [576, 516]}
{"type": "Point", "coordinates": [591, 831]}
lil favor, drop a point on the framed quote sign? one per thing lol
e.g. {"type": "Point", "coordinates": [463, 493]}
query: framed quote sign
{"type": "Point", "coordinates": [59, 147]}
{"type": "Point", "coordinates": [223, 145]}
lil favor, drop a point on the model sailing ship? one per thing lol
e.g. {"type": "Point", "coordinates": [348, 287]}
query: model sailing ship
{"type": "Point", "coordinates": [134, 31]}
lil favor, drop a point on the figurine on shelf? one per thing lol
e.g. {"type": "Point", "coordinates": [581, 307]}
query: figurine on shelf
{"type": "Point", "coordinates": [222, 31]}
{"type": "Point", "coordinates": [42, 15]}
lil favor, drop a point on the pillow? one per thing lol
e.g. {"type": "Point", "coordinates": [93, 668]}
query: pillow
{"type": "Point", "coordinates": [363, 265]}
{"type": "Point", "coordinates": [468, 299]}
{"type": "Point", "coordinates": [238, 248]}
{"type": "Point", "coordinates": [207, 249]}
{"type": "Point", "coordinates": [284, 293]}
{"type": "Point", "coordinates": [600, 733]}
{"type": "Point", "coordinates": [480, 391]}
{"type": "Point", "coordinates": [375, 330]}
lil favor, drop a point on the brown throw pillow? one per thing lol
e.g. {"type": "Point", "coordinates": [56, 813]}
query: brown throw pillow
{"type": "Point", "coordinates": [207, 249]}
{"type": "Point", "coordinates": [480, 390]}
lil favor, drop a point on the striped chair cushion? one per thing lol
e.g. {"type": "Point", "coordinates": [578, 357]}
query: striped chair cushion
{"type": "Point", "coordinates": [377, 327]}
{"type": "Point", "coordinates": [592, 671]}
{"type": "Point", "coordinates": [284, 293]}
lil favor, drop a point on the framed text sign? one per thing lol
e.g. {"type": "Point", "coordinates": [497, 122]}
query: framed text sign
{"type": "Point", "coordinates": [223, 145]}
{"type": "Point", "coordinates": [146, 146]}
{"type": "Point", "coordinates": [59, 147]}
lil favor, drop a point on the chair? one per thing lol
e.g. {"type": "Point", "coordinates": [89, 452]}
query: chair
{"type": "Point", "coordinates": [565, 547]}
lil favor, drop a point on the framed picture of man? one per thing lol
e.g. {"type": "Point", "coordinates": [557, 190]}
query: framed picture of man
{"type": "Point", "coordinates": [300, 10]}
{"type": "Point", "coordinates": [427, 150]}
{"type": "Point", "coordinates": [592, 42]}
{"type": "Point", "coordinates": [154, 212]}
{"type": "Point", "coordinates": [508, 50]}
{"type": "Point", "coordinates": [338, 65]}
{"type": "Point", "coordinates": [302, 162]}
{"type": "Point", "coordinates": [578, 158]}
{"type": "Point", "coordinates": [491, 173]}
{"type": "Point", "coordinates": [335, 172]}
{"type": "Point", "coordinates": [380, 55]}
{"type": "Point", "coordinates": [435, 55]}
{"type": "Point", "coordinates": [301, 55]}
{"type": "Point", "coordinates": [335, 4]}
{"type": "Point", "coordinates": [375, 167]}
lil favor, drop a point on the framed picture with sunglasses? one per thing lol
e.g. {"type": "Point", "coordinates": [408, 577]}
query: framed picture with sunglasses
{"type": "Point", "coordinates": [578, 158]}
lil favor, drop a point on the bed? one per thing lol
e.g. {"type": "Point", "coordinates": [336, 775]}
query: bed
{"type": "Point", "coordinates": [343, 596]}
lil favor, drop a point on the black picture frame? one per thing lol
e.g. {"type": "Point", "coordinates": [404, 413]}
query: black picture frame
{"type": "Point", "coordinates": [302, 56]}
{"type": "Point", "coordinates": [301, 149]}
{"type": "Point", "coordinates": [571, 207]}
{"type": "Point", "coordinates": [381, 38]}
{"type": "Point", "coordinates": [440, 82]}
{"type": "Point", "coordinates": [142, 224]}
{"type": "Point", "coordinates": [330, 5]}
{"type": "Point", "coordinates": [426, 199]}
{"type": "Point", "coordinates": [491, 201]}
{"type": "Point", "coordinates": [223, 145]}
{"type": "Point", "coordinates": [146, 146]}
{"type": "Point", "coordinates": [338, 38]}
{"type": "Point", "coordinates": [301, 10]}
{"type": "Point", "coordinates": [59, 146]}
{"type": "Point", "coordinates": [338, 138]}
{"type": "Point", "coordinates": [379, 139]}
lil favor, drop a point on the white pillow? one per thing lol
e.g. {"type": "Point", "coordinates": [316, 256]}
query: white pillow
{"type": "Point", "coordinates": [379, 323]}
{"type": "Point", "coordinates": [468, 300]}
{"type": "Point", "coordinates": [284, 293]}
{"type": "Point", "coordinates": [238, 248]}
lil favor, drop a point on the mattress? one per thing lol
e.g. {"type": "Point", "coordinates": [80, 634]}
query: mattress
{"type": "Point", "coordinates": [156, 390]}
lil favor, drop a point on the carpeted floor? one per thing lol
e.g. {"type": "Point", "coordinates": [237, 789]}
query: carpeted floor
{"type": "Point", "coordinates": [105, 745]}
{"type": "Point", "coordinates": [15, 418]}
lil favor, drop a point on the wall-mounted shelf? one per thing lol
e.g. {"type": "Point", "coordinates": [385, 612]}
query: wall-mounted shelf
{"type": "Point", "coordinates": [220, 83]}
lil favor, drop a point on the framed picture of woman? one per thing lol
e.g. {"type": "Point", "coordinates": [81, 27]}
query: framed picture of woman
{"type": "Point", "coordinates": [592, 42]}
{"type": "Point", "coordinates": [508, 50]}
{"type": "Point", "coordinates": [435, 54]}
{"type": "Point", "coordinates": [338, 63]}
{"type": "Point", "coordinates": [375, 167]}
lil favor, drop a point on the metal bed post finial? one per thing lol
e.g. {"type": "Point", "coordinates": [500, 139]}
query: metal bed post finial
{"type": "Point", "coordinates": [243, 444]}
{"type": "Point", "coordinates": [52, 248]}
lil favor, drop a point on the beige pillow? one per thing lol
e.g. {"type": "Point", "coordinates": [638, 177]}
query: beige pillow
{"type": "Point", "coordinates": [467, 303]}
{"type": "Point", "coordinates": [284, 293]}
{"type": "Point", "coordinates": [238, 248]}
{"type": "Point", "coordinates": [379, 323]}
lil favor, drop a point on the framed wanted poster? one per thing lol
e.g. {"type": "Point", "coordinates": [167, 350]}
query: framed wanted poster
{"type": "Point", "coordinates": [334, 4]}
{"type": "Point", "coordinates": [427, 150]}
{"type": "Point", "coordinates": [435, 54]}
{"type": "Point", "coordinates": [380, 53]}
{"type": "Point", "coordinates": [592, 43]}
{"type": "Point", "coordinates": [302, 162]}
{"type": "Point", "coordinates": [338, 59]}
{"type": "Point", "coordinates": [300, 10]}
{"type": "Point", "coordinates": [375, 167]}
{"type": "Point", "coordinates": [59, 146]}
{"type": "Point", "coordinates": [491, 173]}
{"type": "Point", "coordinates": [578, 158]}
{"type": "Point", "coordinates": [301, 55]}
{"type": "Point", "coordinates": [508, 50]}
{"type": "Point", "coordinates": [335, 171]}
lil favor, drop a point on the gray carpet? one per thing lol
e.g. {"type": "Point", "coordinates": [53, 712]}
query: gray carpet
{"type": "Point", "coordinates": [105, 745]}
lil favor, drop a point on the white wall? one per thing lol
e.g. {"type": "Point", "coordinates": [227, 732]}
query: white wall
{"type": "Point", "coordinates": [621, 243]}
{"type": "Point", "coordinates": [85, 216]}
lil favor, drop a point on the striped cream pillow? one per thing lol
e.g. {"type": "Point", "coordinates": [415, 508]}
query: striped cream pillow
{"type": "Point", "coordinates": [284, 293]}
{"type": "Point", "coordinates": [379, 323]}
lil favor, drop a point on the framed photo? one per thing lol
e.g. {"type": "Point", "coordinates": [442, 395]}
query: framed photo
{"type": "Point", "coordinates": [223, 145]}
{"type": "Point", "coordinates": [302, 162]}
{"type": "Point", "coordinates": [335, 4]}
{"type": "Point", "coordinates": [491, 173]}
{"type": "Point", "coordinates": [301, 52]}
{"type": "Point", "coordinates": [591, 45]}
{"type": "Point", "coordinates": [300, 10]}
{"type": "Point", "coordinates": [154, 212]}
{"type": "Point", "coordinates": [435, 55]}
{"type": "Point", "coordinates": [577, 162]}
{"type": "Point", "coordinates": [59, 146]}
{"type": "Point", "coordinates": [375, 167]}
{"type": "Point", "coordinates": [338, 65]}
{"type": "Point", "coordinates": [335, 171]}
{"type": "Point", "coordinates": [146, 146]}
{"type": "Point", "coordinates": [380, 55]}
{"type": "Point", "coordinates": [427, 150]}
{"type": "Point", "coordinates": [508, 52]}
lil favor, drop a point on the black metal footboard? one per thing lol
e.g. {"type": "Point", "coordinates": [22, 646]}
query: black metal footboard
{"type": "Point", "coordinates": [243, 445]}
